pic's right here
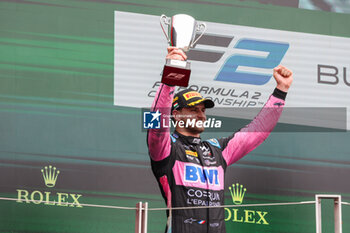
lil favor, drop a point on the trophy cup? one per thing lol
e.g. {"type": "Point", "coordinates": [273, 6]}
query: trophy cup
{"type": "Point", "coordinates": [182, 30]}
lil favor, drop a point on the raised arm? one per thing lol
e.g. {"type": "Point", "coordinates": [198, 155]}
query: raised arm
{"type": "Point", "coordinates": [158, 140]}
{"type": "Point", "coordinates": [251, 136]}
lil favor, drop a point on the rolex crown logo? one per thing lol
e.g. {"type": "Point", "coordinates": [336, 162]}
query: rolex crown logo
{"type": "Point", "coordinates": [50, 175]}
{"type": "Point", "coordinates": [237, 193]}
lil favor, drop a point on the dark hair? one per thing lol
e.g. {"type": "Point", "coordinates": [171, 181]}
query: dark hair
{"type": "Point", "coordinates": [172, 118]}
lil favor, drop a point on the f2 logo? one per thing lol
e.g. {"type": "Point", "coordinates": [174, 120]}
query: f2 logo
{"type": "Point", "coordinates": [175, 76]}
{"type": "Point", "coordinates": [229, 73]}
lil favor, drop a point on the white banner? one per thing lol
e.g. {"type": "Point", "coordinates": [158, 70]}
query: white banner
{"type": "Point", "coordinates": [233, 64]}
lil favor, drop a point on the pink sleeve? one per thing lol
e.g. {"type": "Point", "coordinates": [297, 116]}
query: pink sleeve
{"type": "Point", "coordinates": [158, 140]}
{"type": "Point", "coordinates": [251, 136]}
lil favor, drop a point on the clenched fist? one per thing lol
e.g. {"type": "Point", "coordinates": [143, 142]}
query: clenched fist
{"type": "Point", "coordinates": [283, 77]}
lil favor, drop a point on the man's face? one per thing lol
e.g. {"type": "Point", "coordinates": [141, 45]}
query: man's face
{"type": "Point", "coordinates": [196, 113]}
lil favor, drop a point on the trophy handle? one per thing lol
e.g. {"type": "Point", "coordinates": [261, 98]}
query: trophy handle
{"type": "Point", "coordinates": [200, 27]}
{"type": "Point", "coordinates": [164, 20]}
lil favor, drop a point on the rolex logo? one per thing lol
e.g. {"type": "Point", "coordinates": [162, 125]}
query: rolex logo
{"type": "Point", "coordinates": [237, 193]}
{"type": "Point", "coordinates": [50, 175]}
{"type": "Point", "coordinates": [239, 215]}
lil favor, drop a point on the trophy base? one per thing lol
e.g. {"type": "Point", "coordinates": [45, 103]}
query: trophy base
{"type": "Point", "coordinates": [176, 73]}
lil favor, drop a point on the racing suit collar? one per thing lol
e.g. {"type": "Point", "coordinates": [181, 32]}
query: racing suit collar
{"type": "Point", "coordinates": [187, 139]}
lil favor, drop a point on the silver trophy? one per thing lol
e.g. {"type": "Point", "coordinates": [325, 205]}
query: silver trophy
{"type": "Point", "coordinates": [182, 30]}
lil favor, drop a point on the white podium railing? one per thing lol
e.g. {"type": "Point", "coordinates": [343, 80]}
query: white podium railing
{"type": "Point", "coordinates": [337, 212]}
{"type": "Point", "coordinates": [141, 217]}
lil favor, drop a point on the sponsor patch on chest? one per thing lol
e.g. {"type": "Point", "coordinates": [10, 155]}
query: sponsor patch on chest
{"type": "Point", "coordinates": [192, 153]}
{"type": "Point", "coordinates": [193, 175]}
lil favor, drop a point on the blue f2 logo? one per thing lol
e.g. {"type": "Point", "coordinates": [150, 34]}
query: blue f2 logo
{"type": "Point", "coordinates": [229, 73]}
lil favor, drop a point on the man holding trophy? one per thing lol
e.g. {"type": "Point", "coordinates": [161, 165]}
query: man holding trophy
{"type": "Point", "coordinates": [190, 171]}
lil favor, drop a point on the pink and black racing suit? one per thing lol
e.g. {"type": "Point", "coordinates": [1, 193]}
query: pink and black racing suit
{"type": "Point", "coordinates": [190, 172]}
